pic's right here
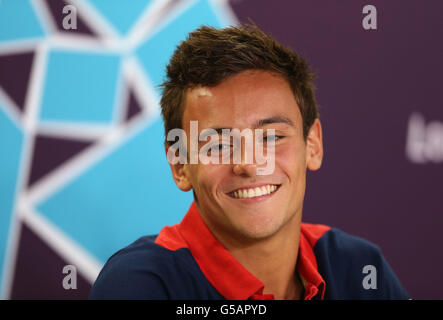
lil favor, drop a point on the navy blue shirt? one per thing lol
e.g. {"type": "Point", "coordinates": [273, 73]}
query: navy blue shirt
{"type": "Point", "coordinates": [185, 261]}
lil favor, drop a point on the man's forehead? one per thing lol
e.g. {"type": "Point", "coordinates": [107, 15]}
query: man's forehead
{"type": "Point", "coordinates": [245, 81]}
{"type": "Point", "coordinates": [197, 104]}
{"type": "Point", "coordinates": [201, 91]}
{"type": "Point", "coordinates": [200, 96]}
{"type": "Point", "coordinates": [241, 101]}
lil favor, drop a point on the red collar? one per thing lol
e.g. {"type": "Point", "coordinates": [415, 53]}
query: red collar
{"type": "Point", "coordinates": [227, 275]}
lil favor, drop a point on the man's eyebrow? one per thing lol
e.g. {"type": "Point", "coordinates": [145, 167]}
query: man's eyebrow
{"type": "Point", "coordinates": [260, 123]}
{"type": "Point", "coordinates": [275, 119]}
{"type": "Point", "coordinates": [206, 133]}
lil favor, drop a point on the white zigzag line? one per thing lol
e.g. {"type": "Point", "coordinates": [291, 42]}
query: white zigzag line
{"type": "Point", "coordinates": [10, 108]}
{"type": "Point", "coordinates": [62, 244]}
{"type": "Point", "coordinates": [35, 88]}
{"type": "Point", "coordinates": [147, 21]}
{"type": "Point", "coordinates": [76, 166]}
{"type": "Point", "coordinates": [28, 123]}
{"type": "Point", "coordinates": [96, 21]}
{"type": "Point", "coordinates": [44, 16]}
{"type": "Point", "coordinates": [227, 15]}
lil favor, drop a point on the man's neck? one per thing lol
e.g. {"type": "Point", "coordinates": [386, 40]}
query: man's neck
{"type": "Point", "coordinates": [273, 261]}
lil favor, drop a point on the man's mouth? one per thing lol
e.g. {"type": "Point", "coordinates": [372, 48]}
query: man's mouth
{"type": "Point", "coordinates": [248, 193]}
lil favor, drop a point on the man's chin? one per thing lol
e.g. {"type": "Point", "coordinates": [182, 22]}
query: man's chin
{"type": "Point", "coordinates": [253, 231]}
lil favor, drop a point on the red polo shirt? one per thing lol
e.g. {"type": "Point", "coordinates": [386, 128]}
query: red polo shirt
{"type": "Point", "coordinates": [225, 273]}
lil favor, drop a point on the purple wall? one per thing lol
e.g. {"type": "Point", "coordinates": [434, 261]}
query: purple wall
{"type": "Point", "coordinates": [369, 84]}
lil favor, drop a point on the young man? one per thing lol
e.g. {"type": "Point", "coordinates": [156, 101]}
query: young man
{"type": "Point", "coordinates": [242, 237]}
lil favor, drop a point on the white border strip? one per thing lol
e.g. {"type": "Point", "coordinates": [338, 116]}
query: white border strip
{"type": "Point", "coordinates": [19, 46]}
{"type": "Point", "coordinates": [77, 166]}
{"type": "Point", "coordinates": [142, 87]}
{"type": "Point", "coordinates": [11, 109]}
{"type": "Point", "coordinates": [145, 23]}
{"type": "Point", "coordinates": [70, 130]}
{"type": "Point", "coordinates": [44, 16]}
{"type": "Point", "coordinates": [63, 245]}
{"type": "Point", "coordinates": [96, 21]}
{"type": "Point", "coordinates": [224, 12]}
{"type": "Point", "coordinates": [35, 88]}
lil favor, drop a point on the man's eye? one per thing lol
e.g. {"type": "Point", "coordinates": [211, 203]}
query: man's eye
{"type": "Point", "coordinates": [220, 147]}
{"type": "Point", "coordinates": [272, 138]}
{"type": "Point", "coordinates": [223, 146]}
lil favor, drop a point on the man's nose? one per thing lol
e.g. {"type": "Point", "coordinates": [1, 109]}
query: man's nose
{"type": "Point", "coordinates": [248, 170]}
{"type": "Point", "coordinates": [247, 166]}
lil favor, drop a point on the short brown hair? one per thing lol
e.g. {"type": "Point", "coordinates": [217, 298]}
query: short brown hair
{"type": "Point", "coordinates": [209, 56]}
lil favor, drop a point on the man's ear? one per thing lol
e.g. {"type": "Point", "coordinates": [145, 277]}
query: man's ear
{"type": "Point", "coordinates": [314, 146]}
{"type": "Point", "coordinates": [179, 171]}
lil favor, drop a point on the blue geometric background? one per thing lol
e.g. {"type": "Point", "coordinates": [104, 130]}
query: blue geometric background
{"type": "Point", "coordinates": [18, 21]}
{"type": "Point", "coordinates": [94, 86]}
{"type": "Point", "coordinates": [80, 87]}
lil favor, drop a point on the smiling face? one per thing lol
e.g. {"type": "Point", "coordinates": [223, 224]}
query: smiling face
{"type": "Point", "coordinates": [236, 203]}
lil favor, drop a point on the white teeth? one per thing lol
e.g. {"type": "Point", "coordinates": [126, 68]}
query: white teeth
{"type": "Point", "coordinates": [263, 190]}
{"type": "Point", "coordinates": [254, 192]}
